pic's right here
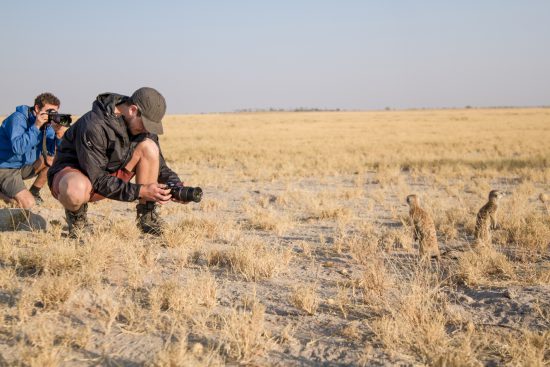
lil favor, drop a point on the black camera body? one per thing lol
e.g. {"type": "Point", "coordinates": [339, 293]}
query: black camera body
{"type": "Point", "coordinates": [59, 118]}
{"type": "Point", "coordinates": [185, 193]}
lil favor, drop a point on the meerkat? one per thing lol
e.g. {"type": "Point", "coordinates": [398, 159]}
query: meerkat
{"type": "Point", "coordinates": [544, 200]}
{"type": "Point", "coordinates": [487, 216]}
{"type": "Point", "coordinates": [424, 229]}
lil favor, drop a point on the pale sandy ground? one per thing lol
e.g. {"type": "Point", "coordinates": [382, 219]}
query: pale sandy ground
{"type": "Point", "coordinates": [316, 340]}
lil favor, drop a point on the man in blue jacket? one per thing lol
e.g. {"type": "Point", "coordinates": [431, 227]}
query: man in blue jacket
{"type": "Point", "coordinates": [21, 157]}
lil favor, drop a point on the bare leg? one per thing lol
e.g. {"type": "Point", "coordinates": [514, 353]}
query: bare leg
{"type": "Point", "coordinates": [74, 190]}
{"type": "Point", "coordinates": [42, 170]}
{"type": "Point", "coordinates": [146, 163]}
{"type": "Point", "coordinates": [24, 199]}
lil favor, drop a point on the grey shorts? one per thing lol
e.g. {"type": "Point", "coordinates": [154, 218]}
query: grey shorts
{"type": "Point", "coordinates": [11, 179]}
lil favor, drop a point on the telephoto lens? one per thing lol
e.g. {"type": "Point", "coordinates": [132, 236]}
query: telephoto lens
{"type": "Point", "coordinates": [60, 118]}
{"type": "Point", "coordinates": [186, 193]}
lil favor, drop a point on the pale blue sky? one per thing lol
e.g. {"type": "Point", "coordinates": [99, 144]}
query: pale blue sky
{"type": "Point", "coordinates": [207, 56]}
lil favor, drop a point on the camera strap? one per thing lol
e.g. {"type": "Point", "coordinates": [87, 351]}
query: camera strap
{"type": "Point", "coordinates": [45, 147]}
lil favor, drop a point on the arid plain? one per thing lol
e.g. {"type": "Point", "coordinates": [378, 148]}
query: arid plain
{"type": "Point", "coordinates": [301, 252]}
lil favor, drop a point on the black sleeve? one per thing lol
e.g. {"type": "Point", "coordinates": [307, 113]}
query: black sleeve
{"type": "Point", "coordinates": [165, 173]}
{"type": "Point", "coordinates": [90, 147]}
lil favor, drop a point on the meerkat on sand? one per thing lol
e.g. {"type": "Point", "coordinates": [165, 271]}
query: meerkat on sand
{"type": "Point", "coordinates": [424, 229]}
{"type": "Point", "coordinates": [487, 216]}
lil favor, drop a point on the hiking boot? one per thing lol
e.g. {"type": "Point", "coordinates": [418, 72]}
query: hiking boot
{"type": "Point", "coordinates": [148, 219]}
{"type": "Point", "coordinates": [35, 192]}
{"type": "Point", "coordinates": [78, 221]}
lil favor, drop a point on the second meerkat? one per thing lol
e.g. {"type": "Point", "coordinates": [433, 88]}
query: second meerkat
{"type": "Point", "coordinates": [424, 228]}
{"type": "Point", "coordinates": [487, 216]}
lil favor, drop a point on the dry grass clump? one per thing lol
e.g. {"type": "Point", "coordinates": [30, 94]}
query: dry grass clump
{"type": "Point", "coordinates": [516, 348]}
{"type": "Point", "coordinates": [212, 205]}
{"type": "Point", "coordinates": [252, 259]}
{"type": "Point", "coordinates": [523, 227]}
{"type": "Point", "coordinates": [396, 238]}
{"type": "Point", "coordinates": [415, 322]}
{"type": "Point", "coordinates": [242, 334]}
{"type": "Point", "coordinates": [191, 232]}
{"type": "Point", "coordinates": [36, 258]}
{"type": "Point", "coordinates": [184, 297]}
{"type": "Point", "coordinates": [305, 298]}
{"type": "Point", "coordinates": [375, 283]}
{"type": "Point", "coordinates": [529, 235]}
{"type": "Point", "coordinates": [483, 265]}
{"type": "Point", "coordinates": [268, 220]}
{"type": "Point", "coordinates": [44, 340]}
{"type": "Point", "coordinates": [490, 344]}
{"type": "Point", "coordinates": [325, 206]}
{"type": "Point", "coordinates": [48, 292]}
{"type": "Point", "coordinates": [451, 221]}
{"type": "Point", "coordinates": [122, 229]}
{"type": "Point", "coordinates": [363, 246]}
{"type": "Point", "coordinates": [181, 354]}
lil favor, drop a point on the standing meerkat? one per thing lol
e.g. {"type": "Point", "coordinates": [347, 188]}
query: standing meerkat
{"type": "Point", "coordinates": [424, 228]}
{"type": "Point", "coordinates": [544, 200]}
{"type": "Point", "coordinates": [487, 216]}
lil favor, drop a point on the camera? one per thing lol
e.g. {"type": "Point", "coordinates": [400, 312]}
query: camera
{"type": "Point", "coordinates": [185, 193]}
{"type": "Point", "coordinates": [59, 118]}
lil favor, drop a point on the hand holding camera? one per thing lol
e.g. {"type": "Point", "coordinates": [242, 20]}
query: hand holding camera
{"type": "Point", "coordinates": [47, 117]}
{"type": "Point", "coordinates": [176, 191]}
{"type": "Point", "coordinates": [184, 194]}
{"type": "Point", "coordinates": [42, 118]}
{"type": "Point", "coordinates": [155, 192]}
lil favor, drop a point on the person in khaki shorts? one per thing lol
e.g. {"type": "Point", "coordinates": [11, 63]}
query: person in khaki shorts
{"type": "Point", "coordinates": [21, 138]}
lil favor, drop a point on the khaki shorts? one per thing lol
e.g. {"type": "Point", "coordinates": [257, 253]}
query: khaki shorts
{"type": "Point", "coordinates": [11, 179]}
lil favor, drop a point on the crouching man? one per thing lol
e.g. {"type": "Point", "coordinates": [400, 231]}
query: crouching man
{"type": "Point", "coordinates": [104, 149]}
{"type": "Point", "coordinates": [22, 153]}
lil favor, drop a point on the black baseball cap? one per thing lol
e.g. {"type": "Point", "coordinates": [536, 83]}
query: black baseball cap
{"type": "Point", "coordinates": [152, 106]}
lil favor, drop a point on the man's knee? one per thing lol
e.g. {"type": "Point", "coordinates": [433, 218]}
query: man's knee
{"type": "Point", "coordinates": [74, 190]}
{"type": "Point", "coordinates": [148, 149]}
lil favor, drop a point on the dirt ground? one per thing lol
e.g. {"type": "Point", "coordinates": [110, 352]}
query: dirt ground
{"type": "Point", "coordinates": [337, 333]}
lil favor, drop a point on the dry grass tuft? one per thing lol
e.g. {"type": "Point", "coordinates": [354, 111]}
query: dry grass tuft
{"type": "Point", "coordinates": [268, 220]}
{"type": "Point", "coordinates": [375, 283]}
{"type": "Point", "coordinates": [180, 354]}
{"type": "Point", "coordinates": [252, 259]}
{"type": "Point", "coordinates": [483, 265]}
{"type": "Point", "coordinates": [415, 319]}
{"type": "Point", "coordinates": [305, 298]}
{"type": "Point", "coordinates": [183, 298]}
{"type": "Point", "coordinates": [242, 334]}
{"type": "Point", "coordinates": [364, 246]}
{"type": "Point", "coordinates": [530, 235]}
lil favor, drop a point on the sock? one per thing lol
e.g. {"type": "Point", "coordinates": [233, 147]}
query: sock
{"type": "Point", "coordinates": [35, 190]}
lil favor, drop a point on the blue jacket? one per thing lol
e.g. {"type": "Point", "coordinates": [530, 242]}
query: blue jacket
{"type": "Point", "coordinates": [21, 141]}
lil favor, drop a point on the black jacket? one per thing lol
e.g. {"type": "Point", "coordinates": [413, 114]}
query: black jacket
{"type": "Point", "coordinates": [99, 144]}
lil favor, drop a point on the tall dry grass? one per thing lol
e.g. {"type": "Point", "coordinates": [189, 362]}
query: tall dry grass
{"type": "Point", "coordinates": [278, 145]}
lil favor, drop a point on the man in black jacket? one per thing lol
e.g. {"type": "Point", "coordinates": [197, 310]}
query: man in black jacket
{"type": "Point", "coordinates": [104, 149]}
